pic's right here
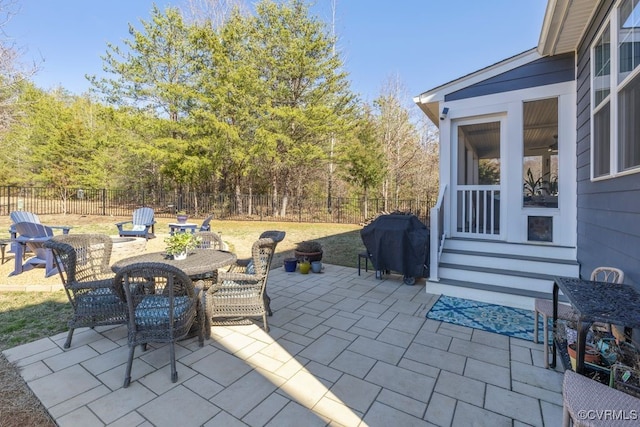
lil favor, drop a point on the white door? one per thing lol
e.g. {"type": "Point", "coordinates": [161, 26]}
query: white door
{"type": "Point", "coordinates": [476, 177]}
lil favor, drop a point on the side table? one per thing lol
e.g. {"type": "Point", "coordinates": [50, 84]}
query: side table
{"type": "Point", "coordinates": [177, 227]}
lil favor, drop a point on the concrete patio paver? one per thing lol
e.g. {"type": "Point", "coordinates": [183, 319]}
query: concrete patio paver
{"type": "Point", "coordinates": [343, 350]}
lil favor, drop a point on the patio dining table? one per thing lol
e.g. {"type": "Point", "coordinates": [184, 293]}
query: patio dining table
{"type": "Point", "coordinates": [198, 262]}
{"type": "Point", "coordinates": [613, 303]}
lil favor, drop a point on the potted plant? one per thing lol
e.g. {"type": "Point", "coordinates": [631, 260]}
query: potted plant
{"type": "Point", "coordinates": [182, 217]}
{"type": "Point", "coordinates": [179, 244]}
{"type": "Point", "coordinates": [309, 250]}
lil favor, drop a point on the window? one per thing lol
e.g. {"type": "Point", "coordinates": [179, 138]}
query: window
{"type": "Point", "coordinates": [616, 83]}
{"type": "Point", "coordinates": [540, 150]}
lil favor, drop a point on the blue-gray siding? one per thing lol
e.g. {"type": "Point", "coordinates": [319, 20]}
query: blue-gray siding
{"type": "Point", "coordinates": [544, 71]}
{"type": "Point", "coordinates": [608, 210]}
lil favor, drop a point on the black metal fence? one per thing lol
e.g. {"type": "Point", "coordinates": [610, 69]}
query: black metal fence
{"type": "Point", "coordinates": [103, 202]}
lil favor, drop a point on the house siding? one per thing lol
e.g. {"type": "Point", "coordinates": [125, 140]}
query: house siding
{"type": "Point", "coordinates": [541, 72]}
{"type": "Point", "coordinates": [608, 211]}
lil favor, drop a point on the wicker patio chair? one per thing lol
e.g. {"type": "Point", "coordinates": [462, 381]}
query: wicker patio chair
{"type": "Point", "coordinates": [245, 264]}
{"type": "Point", "coordinates": [583, 396]}
{"type": "Point", "coordinates": [163, 306]}
{"type": "Point", "coordinates": [566, 312]}
{"type": "Point", "coordinates": [82, 261]}
{"type": "Point", "coordinates": [213, 241]}
{"type": "Point", "coordinates": [240, 294]}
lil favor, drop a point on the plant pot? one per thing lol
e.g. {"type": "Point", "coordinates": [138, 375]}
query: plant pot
{"type": "Point", "coordinates": [290, 265]}
{"type": "Point", "coordinates": [182, 255]}
{"type": "Point", "coordinates": [305, 267]}
{"type": "Point", "coordinates": [182, 218]}
{"type": "Point", "coordinates": [626, 379]}
{"type": "Point", "coordinates": [591, 354]}
{"type": "Point", "coordinates": [316, 266]}
{"type": "Point", "coordinates": [309, 256]}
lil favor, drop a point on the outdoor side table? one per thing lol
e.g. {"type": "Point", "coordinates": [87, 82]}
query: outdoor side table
{"type": "Point", "coordinates": [3, 246]}
{"type": "Point", "coordinates": [176, 227]}
{"type": "Point", "coordinates": [595, 302]}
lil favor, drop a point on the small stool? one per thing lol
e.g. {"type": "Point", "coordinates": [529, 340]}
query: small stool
{"type": "Point", "coordinates": [366, 257]}
{"type": "Point", "coordinates": [3, 245]}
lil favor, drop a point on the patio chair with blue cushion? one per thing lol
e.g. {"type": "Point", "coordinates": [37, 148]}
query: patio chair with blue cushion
{"type": "Point", "coordinates": [142, 224]}
{"type": "Point", "coordinates": [240, 293]}
{"type": "Point", "coordinates": [163, 306]}
{"type": "Point", "coordinates": [83, 263]}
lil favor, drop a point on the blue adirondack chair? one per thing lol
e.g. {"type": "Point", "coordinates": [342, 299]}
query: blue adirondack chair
{"type": "Point", "coordinates": [26, 216]}
{"type": "Point", "coordinates": [205, 224]}
{"type": "Point", "coordinates": [142, 224]}
{"type": "Point", "coordinates": [33, 236]}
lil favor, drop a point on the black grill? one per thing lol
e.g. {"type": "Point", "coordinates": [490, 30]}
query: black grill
{"type": "Point", "coordinates": [400, 243]}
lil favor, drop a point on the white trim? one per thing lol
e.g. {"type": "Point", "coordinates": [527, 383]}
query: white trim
{"type": "Point", "coordinates": [509, 105]}
{"type": "Point", "coordinates": [615, 87]}
{"type": "Point", "coordinates": [437, 94]}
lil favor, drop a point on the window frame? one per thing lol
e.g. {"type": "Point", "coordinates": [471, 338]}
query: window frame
{"type": "Point", "coordinates": [612, 100]}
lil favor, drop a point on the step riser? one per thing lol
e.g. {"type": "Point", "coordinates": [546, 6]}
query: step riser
{"type": "Point", "coordinates": [519, 264]}
{"type": "Point", "coordinates": [542, 251]}
{"type": "Point", "coordinates": [497, 279]}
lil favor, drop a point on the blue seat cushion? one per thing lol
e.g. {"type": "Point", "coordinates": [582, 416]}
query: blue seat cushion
{"type": "Point", "coordinates": [99, 296]}
{"type": "Point", "coordinates": [250, 269]}
{"type": "Point", "coordinates": [153, 310]}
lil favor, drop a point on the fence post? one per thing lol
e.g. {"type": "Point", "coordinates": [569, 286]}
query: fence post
{"type": "Point", "coordinates": [104, 202]}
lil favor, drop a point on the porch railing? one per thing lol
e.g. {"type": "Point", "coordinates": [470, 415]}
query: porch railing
{"type": "Point", "coordinates": [478, 210]}
{"type": "Point", "coordinates": [438, 235]}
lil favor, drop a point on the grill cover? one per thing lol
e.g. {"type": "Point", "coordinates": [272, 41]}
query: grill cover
{"type": "Point", "coordinates": [399, 243]}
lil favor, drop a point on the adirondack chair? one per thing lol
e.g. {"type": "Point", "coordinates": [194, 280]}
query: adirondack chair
{"type": "Point", "coordinates": [142, 224]}
{"type": "Point", "coordinates": [205, 224]}
{"type": "Point", "coordinates": [33, 236]}
{"type": "Point", "coordinates": [26, 216]}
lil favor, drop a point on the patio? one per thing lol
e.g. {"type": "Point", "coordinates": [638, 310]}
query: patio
{"type": "Point", "coordinates": [343, 350]}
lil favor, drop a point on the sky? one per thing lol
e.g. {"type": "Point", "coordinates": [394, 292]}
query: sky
{"type": "Point", "coordinates": [419, 43]}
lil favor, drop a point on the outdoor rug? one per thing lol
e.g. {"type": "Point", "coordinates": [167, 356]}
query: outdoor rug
{"type": "Point", "coordinates": [514, 322]}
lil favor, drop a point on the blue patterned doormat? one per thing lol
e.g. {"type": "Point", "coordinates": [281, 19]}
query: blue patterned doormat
{"type": "Point", "coordinates": [514, 322]}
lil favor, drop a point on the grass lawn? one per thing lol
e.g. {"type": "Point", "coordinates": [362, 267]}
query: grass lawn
{"type": "Point", "coordinates": [28, 316]}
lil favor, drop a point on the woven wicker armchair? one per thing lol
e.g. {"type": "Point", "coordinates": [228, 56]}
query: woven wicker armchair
{"type": "Point", "coordinates": [163, 306]}
{"type": "Point", "coordinates": [583, 398]}
{"type": "Point", "coordinates": [208, 240]}
{"type": "Point", "coordinates": [240, 293]}
{"type": "Point", "coordinates": [82, 261]}
{"type": "Point", "coordinates": [242, 265]}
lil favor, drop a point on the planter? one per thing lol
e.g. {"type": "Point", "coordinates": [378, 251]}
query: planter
{"type": "Point", "coordinates": [180, 256]}
{"type": "Point", "coordinates": [290, 265]}
{"type": "Point", "coordinates": [182, 219]}
{"type": "Point", "coordinates": [305, 267]}
{"type": "Point", "coordinates": [626, 379]}
{"type": "Point", "coordinates": [316, 266]}
{"type": "Point", "coordinates": [309, 256]}
{"type": "Point", "coordinates": [591, 354]}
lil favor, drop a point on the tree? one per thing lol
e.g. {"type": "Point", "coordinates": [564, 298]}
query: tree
{"type": "Point", "coordinates": [155, 69]}
{"type": "Point", "coordinates": [309, 95]}
{"type": "Point", "coordinates": [363, 160]}
{"type": "Point", "coordinates": [399, 138]}
{"type": "Point", "coordinates": [13, 74]}
{"type": "Point", "coordinates": [156, 75]}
